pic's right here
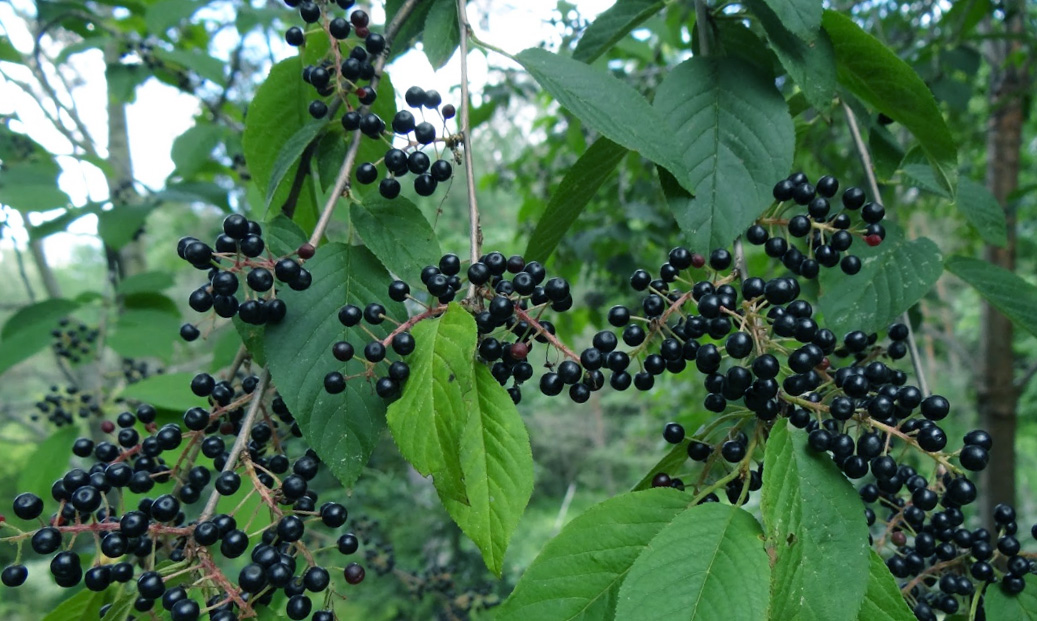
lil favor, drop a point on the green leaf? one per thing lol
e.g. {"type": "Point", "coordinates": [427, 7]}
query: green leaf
{"type": "Point", "coordinates": [83, 606]}
{"type": "Point", "coordinates": [283, 236]}
{"type": "Point", "coordinates": [879, 77]}
{"type": "Point", "coordinates": [195, 191]}
{"type": "Point", "coordinates": [675, 458]}
{"type": "Point", "coordinates": [429, 418]}
{"type": "Point", "coordinates": [342, 428]}
{"type": "Point", "coordinates": [442, 32]}
{"type": "Point", "coordinates": [123, 81]}
{"type": "Point", "coordinates": [1021, 607]}
{"type": "Point", "coordinates": [800, 17]}
{"type": "Point", "coordinates": [252, 337]}
{"type": "Point", "coordinates": [199, 62]}
{"type": "Point", "coordinates": [577, 576]}
{"type": "Point", "coordinates": [397, 233]}
{"type": "Point", "coordinates": [61, 222]}
{"type": "Point", "coordinates": [816, 532]}
{"type": "Point", "coordinates": [165, 14]}
{"type": "Point", "coordinates": [606, 105]}
{"type": "Point", "coordinates": [982, 210]}
{"type": "Point", "coordinates": [291, 152]}
{"type": "Point", "coordinates": [8, 52]}
{"type": "Point", "coordinates": [192, 150]}
{"type": "Point", "coordinates": [169, 391]}
{"type": "Point", "coordinates": [412, 26]}
{"type": "Point", "coordinates": [145, 282]}
{"type": "Point", "coordinates": [275, 114]}
{"type": "Point", "coordinates": [882, 600]}
{"type": "Point", "coordinates": [48, 465]}
{"type": "Point", "coordinates": [567, 201]}
{"type": "Point", "coordinates": [1007, 292]}
{"type": "Point", "coordinates": [29, 186]}
{"type": "Point", "coordinates": [893, 277]}
{"type": "Point", "coordinates": [688, 569]}
{"type": "Point", "coordinates": [919, 173]}
{"type": "Point", "coordinates": [28, 330]}
{"type": "Point", "coordinates": [809, 61]}
{"type": "Point", "coordinates": [118, 225]}
{"type": "Point", "coordinates": [616, 22]}
{"type": "Point", "coordinates": [497, 465]}
{"type": "Point", "coordinates": [724, 114]}
{"type": "Point", "coordinates": [142, 333]}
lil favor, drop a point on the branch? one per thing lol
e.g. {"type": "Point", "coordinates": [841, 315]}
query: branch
{"type": "Point", "coordinates": [873, 185]}
{"type": "Point", "coordinates": [474, 226]}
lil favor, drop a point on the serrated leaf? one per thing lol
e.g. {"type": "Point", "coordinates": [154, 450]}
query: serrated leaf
{"type": "Point", "coordinates": [567, 201]}
{"type": "Point", "coordinates": [616, 22]}
{"type": "Point", "coordinates": [882, 600]}
{"type": "Point", "coordinates": [816, 533]}
{"type": "Point", "coordinates": [577, 576]}
{"type": "Point", "coordinates": [28, 330]}
{"type": "Point", "coordinates": [169, 391]}
{"type": "Point", "coordinates": [442, 32]}
{"type": "Point", "coordinates": [143, 333]}
{"type": "Point", "coordinates": [118, 225]}
{"type": "Point", "coordinates": [894, 276]}
{"type": "Point", "coordinates": [342, 428]}
{"type": "Point", "coordinates": [291, 152]}
{"type": "Point", "coordinates": [808, 60]}
{"type": "Point", "coordinates": [607, 105]}
{"type": "Point", "coordinates": [397, 233]}
{"type": "Point", "coordinates": [724, 115]}
{"type": "Point", "coordinates": [800, 17]}
{"type": "Point", "coordinates": [1021, 607]}
{"type": "Point", "coordinates": [497, 466]}
{"type": "Point", "coordinates": [428, 419]}
{"type": "Point", "coordinates": [920, 174]}
{"type": "Point", "coordinates": [688, 569]}
{"type": "Point", "coordinates": [982, 210]}
{"type": "Point", "coordinates": [48, 463]}
{"type": "Point", "coordinates": [1006, 291]}
{"type": "Point", "coordinates": [879, 77]}
{"type": "Point", "coordinates": [192, 150]}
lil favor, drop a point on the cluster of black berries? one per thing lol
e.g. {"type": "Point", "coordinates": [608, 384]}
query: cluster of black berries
{"type": "Point", "coordinates": [73, 341]}
{"type": "Point", "coordinates": [90, 505]}
{"type": "Point", "coordinates": [61, 404]}
{"type": "Point", "coordinates": [828, 231]}
{"type": "Point", "coordinates": [134, 370]}
{"type": "Point", "coordinates": [241, 243]}
{"type": "Point", "coordinates": [412, 157]}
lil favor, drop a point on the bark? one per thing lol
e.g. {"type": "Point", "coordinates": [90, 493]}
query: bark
{"type": "Point", "coordinates": [997, 396]}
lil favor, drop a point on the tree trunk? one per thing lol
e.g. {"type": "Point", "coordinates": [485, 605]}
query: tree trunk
{"type": "Point", "coordinates": [997, 396]}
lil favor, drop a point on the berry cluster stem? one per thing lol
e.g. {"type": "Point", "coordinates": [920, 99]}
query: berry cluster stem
{"type": "Point", "coordinates": [474, 227]}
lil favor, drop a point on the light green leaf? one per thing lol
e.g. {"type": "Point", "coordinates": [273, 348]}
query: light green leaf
{"type": "Point", "coordinates": [83, 606]}
{"type": "Point", "coordinates": [397, 233]}
{"type": "Point", "coordinates": [291, 152]}
{"type": "Point", "coordinates": [576, 189]}
{"type": "Point", "coordinates": [145, 333]}
{"type": "Point", "coordinates": [28, 186]}
{"type": "Point", "coordinates": [199, 62]}
{"type": "Point", "coordinates": [1007, 292]}
{"type": "Point", "coordinates": [723, 114]}
{"type": "Point", "coordinates": [165, 14]}
{"type": "Point", "coordinates": [1021, 607]}
{"type": "Point", "coordinates": [809, 60]}
{"type": "Point", "coordinates": [428, 419]}
{"type": "Point", "coordinates": [28, 330]}
{"type": "Point", "coordinates": [982, 210]}
{"type": "Point", "coordinates": [497, 465]}
{"type": "Point", "coordinates": [123, 81]}
{"type": "Point", "coordinates": [61, 222]}
{"type": "Point", "coordinates": [816, 532]}
{"type": "Point", "coordinates": [168, 391]}
{"type": "Point", "coordinates": [879, 77]}
{"type": "Point", "coordinates": [577, 576]}
{"type": "Point", "coordinates": [688, 569]}
{"type": "Point", "coordinates": [442, 32]}
{"type": "Point", "coordinates": [800, 17]}
{"type": "Point", "coordinates": [674, 459]}
{"type": "Point", "coordinates": [145, 282]}
{"type": "Point", "coordinates": [195, 191]}
{"type": "Point", "coordinates": [193, 149]}
{"type": "Point", "coordinates": [606, 105]}
{"type": "Point", "coordinates": [342, 428]}
{"type": "Point", "coordinates": [882, 600]}
{"type": "Point", "coordinates": [48, 464]}
{"type": "Point", "coordinates": [616, 22]}
{"type": "Point", "coordinates": [8, 51]}
{"type": "Point", "coordinates": [118, 225]}
{"type": "Point", "coordinates": [893, 277]}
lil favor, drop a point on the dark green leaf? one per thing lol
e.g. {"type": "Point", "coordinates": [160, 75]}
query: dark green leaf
{"type": "Point", "coordinates": [576, 189]}
{"type": "Point", "coordinates": [142, 333]}
{"type": "Point", "coordinates": [150, 300]}
{"type": "Point", "coordinates": [816, 533]}
{"type": "Point", "coordinates": [123, 81]}
{"type": "Point", "coordinates": [616, 22]}
{"type": "Point", "coordinates": [29, 186]}
{"type": "Point", "coordinates": [118, 225]}
{"type": "Point", "coordinates": [61, 222]}
{"type": "Point", "coordinates": [169, 391]}
{"type": "Point", "coordinates": [145, 282]}
{"type": "Point", "coordinates": [397, 233]}
{"type": "Point", "coordinates": [291, 151]}
{"type": "Point", "coordinates": [880, 78]}
{"type": "Point", "coordinates": [800, 17]}
{"type": "Point", "coordinates": [195, 191]}
{"type": "Point", "coordinates": [724, 114]}
{"type": "Point", "coordinates": [894, 275]}
{"type": "Point", "coordinates": [193, 149]}
{"type": "Point", "coordinates": [28, 330]}
{"type": "Point", "coordinates": [83, 606]}
{"type": "Point", "coordinates": [442, 32]}
{"type": "Point", "coordinates": [50, 462]}
{"type": "Point", "coordinates": [578, 574]}
{"type": "Point", "coordinates": [8, 51]}
{"type": "Point", "coordinates": [1021, 607]}
{"type": "Point", "coordinates": [1006, 291]}
{"type": "Point", "coordinates": [429, 418]}
{"type": "Point", "coordinates": [809, 61]}
{"type": "Point", "coordinates": [165, 14]}
{"type": "Point", "coordinates": [675, 458]}
{"type": "Point", "coordinates": [737, 39]}
{"type": "Point", "coordinates": [882, 600]}
{"type": "Point", "coordinates": [411, 30]}
{"type": "Point", "coordinates": [342, 428]}
{"type": "Point", "coordinates": [886, 152]}
{"type": "Point", "coordinates": [688, 569]}
{"type": "Point", "coordinates": [497, 466]}
{"type": "Point", "coordinates": [252, 337]}
{"type": "Point", "coordinates": [606, 105]}
{"type": "Point", "coordinates": [982, 210]}
{"type": "Point", "coordinates": [283, 236]}
{"type": "Point", "coordinates": [199, 62]}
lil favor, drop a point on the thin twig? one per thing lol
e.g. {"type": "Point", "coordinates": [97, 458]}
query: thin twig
{"type": "Point", "coordinates": [474, 227]}
{"type": "Point", "coordinates": [873, 185]}
{"type": "Point", "coordinates": [342, 181]}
